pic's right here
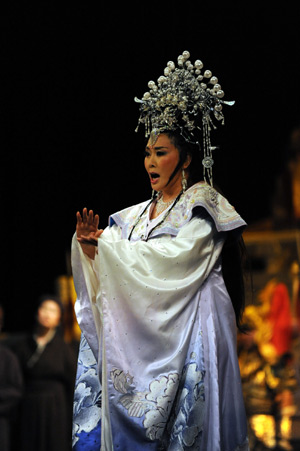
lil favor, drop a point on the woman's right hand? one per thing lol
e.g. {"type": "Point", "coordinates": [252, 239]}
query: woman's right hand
{"type": "Point", "coordinates": [87, 231]}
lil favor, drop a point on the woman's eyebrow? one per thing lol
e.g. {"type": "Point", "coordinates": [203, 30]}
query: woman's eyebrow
{"type": "Point", "coordinates": [156, 147]}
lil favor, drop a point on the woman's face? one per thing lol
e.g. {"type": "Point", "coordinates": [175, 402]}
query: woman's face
{"type": "Point", "coordinates": [161, 159]}
{"type": "Point", "coordinates": [49, 314]}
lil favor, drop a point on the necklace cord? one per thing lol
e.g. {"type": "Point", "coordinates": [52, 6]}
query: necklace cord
{"type": "Point", "coordinates": [163, 219]}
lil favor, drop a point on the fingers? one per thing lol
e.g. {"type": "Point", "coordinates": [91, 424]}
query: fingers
{"type": "Point", "coordinates": [84, 215]}
{"type": "Point", "coordinates": [88, 217]}
{"type": "Point", "coordinates": [98, 233]}
{"type": "Point", "coordinates": [96, 221]}
{"type": "Point", "coordinates": [78, 217]}
{"type": "Point", "coordinates": [83, 218]}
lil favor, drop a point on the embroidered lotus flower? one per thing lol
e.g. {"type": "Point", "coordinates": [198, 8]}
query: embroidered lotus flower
{"type": "Point", "coordinates": [156, 404]}
{"type": "Point", "coordinates": [162, 393]}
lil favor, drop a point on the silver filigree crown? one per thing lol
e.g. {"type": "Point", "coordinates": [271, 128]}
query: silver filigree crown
{"type": "Point", "coordinates": [184, 99]}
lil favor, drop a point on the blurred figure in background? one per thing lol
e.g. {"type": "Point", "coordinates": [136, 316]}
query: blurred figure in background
{"type": "Point", "coordinates": [267, 367]}
{"type": "Point", "coordinates": [277, 307]}
{"type": "Point", "coordinates": [11, 385]}
{"type": "Point", "coordinates": [49, 367]}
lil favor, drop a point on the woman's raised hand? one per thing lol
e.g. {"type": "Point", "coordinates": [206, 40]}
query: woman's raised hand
{"type": "Point", "coordinates": [87, 230]}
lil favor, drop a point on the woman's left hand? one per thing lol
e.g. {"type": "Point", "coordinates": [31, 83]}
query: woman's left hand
{"type": "Point", "coordinates": [87, 231]}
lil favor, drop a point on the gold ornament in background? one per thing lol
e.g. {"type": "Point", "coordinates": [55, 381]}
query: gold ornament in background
{"type": "Point", "coordinates": [66, 291]}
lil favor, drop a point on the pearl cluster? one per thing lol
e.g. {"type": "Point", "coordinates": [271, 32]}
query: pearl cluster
{"type": "Point", "coordinates": [181, 96]}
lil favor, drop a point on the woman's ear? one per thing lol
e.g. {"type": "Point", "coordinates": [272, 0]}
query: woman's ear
{"type": "Point", "coordinates": [187, 162]}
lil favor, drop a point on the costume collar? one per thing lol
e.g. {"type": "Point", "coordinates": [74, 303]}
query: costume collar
{"type": "Point", "coordinates": [201, 194]}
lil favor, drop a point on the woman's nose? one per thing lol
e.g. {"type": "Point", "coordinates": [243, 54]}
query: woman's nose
{"type": "Point", "coordinates": [152, 161]}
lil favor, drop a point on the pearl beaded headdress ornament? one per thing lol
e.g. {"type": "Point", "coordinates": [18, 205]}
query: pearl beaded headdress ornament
{"type": "Point", "coordinates": [184, 99]}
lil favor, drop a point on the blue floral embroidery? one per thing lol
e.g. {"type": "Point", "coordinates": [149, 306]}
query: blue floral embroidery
{"type": "Point", "coordinates": [87, 396]}
{"type": "Point", "coordinates": [154, 404]}
{"type": "Point", "coordinates": [172, 408]}
{"type": "Point", "coordinates": [188, 417]}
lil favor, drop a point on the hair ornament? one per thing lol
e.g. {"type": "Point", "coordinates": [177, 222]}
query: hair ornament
{"type": "Point", "coordinates": [186, 98]}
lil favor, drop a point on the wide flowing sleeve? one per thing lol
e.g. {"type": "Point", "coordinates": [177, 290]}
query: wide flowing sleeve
{"type": "Point", "coordinates": [173, 265]}
{"type": "Point", "coordinates": [86, 281]}
{"type": "Point", "coordinates": [161, 263]}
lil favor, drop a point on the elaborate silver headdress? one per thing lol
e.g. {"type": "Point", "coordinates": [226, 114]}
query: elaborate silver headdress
{"type": "Point", "coordinates": [184, 99]}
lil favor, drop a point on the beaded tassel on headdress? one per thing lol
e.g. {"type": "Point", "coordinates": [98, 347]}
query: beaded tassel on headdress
{"type": "Point", "coordinates": [184, 99]}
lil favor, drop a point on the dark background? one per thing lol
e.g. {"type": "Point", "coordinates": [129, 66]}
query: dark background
{"type": "Point", "coordinates": [71, 72]}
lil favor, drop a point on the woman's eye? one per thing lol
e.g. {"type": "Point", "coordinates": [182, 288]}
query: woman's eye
{"type": "Point", "coordinates": [160, 153]}
{"type": "Point", "coordinates": [146, 154]}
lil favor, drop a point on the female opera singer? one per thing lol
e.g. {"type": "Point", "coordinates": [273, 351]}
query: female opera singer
{"type": "Point", "coordinates": [157, 367]}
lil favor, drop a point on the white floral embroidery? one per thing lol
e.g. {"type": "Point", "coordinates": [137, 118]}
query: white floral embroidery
{"type": "Point", "coordinates": [154, 404]}
{"type": "Point", "coordinates": [185, 423]}
{"type": "Point", "coordinates": [188, 417]}
{"type": "Point", "coordinates": [87, 393]}
{"type": "Point", "coordinates": [162, 393]}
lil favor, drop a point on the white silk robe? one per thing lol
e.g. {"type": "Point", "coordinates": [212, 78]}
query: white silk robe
{"type": "Point", "coordinates": [157, 367]}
